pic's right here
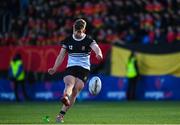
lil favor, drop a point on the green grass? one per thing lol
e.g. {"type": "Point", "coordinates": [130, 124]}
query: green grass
{"type": "Point", "coordinates": [93, 112]}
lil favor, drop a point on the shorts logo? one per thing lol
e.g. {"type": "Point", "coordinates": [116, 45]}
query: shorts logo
{"type": "Point", "coordinates": [85, 77]}
{"type": "Point", "coordinates": [83, 47]}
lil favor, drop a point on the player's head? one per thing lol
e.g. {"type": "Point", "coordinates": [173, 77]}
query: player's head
{"type": "Point", "coordinates": [79, 26]}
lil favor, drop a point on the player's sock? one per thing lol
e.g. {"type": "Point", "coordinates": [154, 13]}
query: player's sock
{"type": "Point", "coordinates": [62, 112]}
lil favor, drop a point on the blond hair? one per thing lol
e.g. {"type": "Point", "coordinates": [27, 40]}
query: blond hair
{"type": "Point", "coordinates": [79, 25]}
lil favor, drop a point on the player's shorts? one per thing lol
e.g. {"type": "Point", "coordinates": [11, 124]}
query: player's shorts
{"type": "Point", "coordinates": [78, 71]}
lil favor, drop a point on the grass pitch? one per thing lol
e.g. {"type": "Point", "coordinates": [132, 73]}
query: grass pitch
{"type": "Point", "coordinates": [92, 112]}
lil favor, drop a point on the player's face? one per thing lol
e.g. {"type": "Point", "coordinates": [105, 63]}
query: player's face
{"type": "Point", "coordinates": [79, 33]}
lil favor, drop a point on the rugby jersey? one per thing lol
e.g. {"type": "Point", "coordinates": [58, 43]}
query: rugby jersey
{"type": "Point", "coordinates": [78, 51]}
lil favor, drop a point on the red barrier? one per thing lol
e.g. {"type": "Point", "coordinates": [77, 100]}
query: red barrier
{"type": "Point", "coordinates": [39, 58]}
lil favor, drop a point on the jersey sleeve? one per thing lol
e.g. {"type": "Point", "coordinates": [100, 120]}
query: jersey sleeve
{"type": "Point", "coordinates": [91, 41]}
{"type": "Point", "coordinates": [63, 44]}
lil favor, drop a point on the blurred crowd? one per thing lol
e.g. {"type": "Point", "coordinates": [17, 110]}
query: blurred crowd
{"type": "Point", "coordinates": [46, 22]}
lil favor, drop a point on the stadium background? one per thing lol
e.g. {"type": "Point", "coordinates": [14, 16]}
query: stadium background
{"type": "Point", "coordinates": [151, 28]}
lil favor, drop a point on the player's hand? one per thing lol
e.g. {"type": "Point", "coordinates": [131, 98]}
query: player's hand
{"type": "Point", "coordinates": [99, 57]}
{"type": "Point", "coordinates": [51, 71]}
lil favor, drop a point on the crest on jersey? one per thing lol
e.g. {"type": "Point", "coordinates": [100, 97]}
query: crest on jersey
{"type": "Point", "coordinates": [70, 47]}
{"type": "Point", "coordinates": [83, 48]}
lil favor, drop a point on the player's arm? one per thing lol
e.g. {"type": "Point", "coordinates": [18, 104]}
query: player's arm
{"type": "Point", "coordinates": [97, 50]}
{"type": "Point", "coordinates": [58, 61]}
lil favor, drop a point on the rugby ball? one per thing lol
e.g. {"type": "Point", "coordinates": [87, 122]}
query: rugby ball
{"type": "Point", "coordinates": [95, 85]}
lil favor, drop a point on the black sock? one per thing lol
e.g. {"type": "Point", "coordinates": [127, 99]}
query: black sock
{"type": "Point", "coordinates": [62, 112]}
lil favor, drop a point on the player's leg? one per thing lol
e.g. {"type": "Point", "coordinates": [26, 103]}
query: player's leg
{"type": "Point", "coordinates": [69, 81]}
{"type": "Point", "coordinates": [79, 85]}
{"type": "Point", "coordinates": [81, 77]}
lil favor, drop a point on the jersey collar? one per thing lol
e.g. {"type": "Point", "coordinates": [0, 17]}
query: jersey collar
{"type": "Point", "coordinates": [84, 35]}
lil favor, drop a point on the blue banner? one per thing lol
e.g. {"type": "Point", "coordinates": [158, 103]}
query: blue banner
{"type": "Point", "coordinates": [158, 88]}
{"type": "Point", "coordinates": [113, 88]}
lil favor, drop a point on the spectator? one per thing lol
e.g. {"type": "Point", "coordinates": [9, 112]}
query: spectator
{"type": "Point", "coordinates": [178, 34]}
{"type": "Point", "coordinates": [45, 19]}
{"type": "Point", "coordinates": [159, 36]}
{"type": "Point", "coordinates": [132, 75]}
{"type": "Point", "coordinates": [17, 75]}
{"type": "Point", "coordinates": [170, 37]}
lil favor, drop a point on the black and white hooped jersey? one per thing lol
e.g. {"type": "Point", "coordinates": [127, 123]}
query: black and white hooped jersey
{"type": "Point", "coordinates": [78, 51]}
